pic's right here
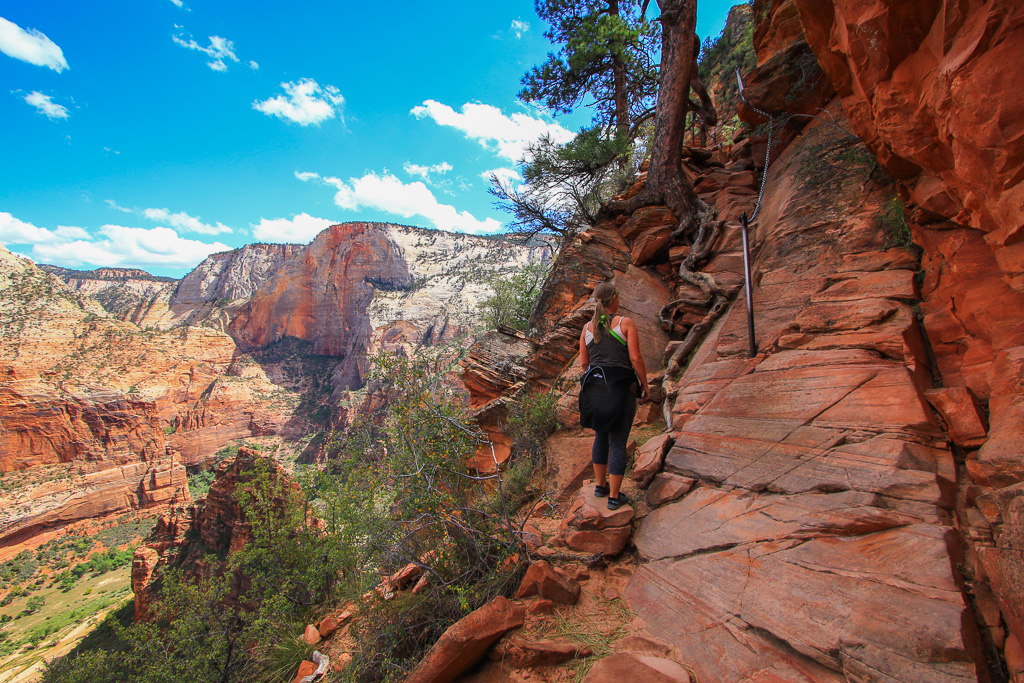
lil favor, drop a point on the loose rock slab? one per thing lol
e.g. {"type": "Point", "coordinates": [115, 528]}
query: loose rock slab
{"type": "Point", "coordinates": [465, 643]}
{"type": "Point", "coordinates": [589, 526]}
{"type": "Point", "coordinates": [634, 666]}
{"type": "Point", "coordinates": [520, 653]}
{"type": "Point", "coordinates": [649, 458]}
{"type": "Point", "coordinates": [549, 583]}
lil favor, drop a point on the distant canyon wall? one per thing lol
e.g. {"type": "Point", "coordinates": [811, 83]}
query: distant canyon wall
{"type": "Point", "coordinates": [100, 410]}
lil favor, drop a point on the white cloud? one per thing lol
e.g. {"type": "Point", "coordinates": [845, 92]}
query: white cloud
{"type": "Point", "coordinates": [306, 103]}
{"type": "Point", "coordinates": [484, 123]}
{"type": "Point", "coordinates": [70, 232]}
{"type": "Point", "coordinates": [425, 171]}
{"type": "Point", "coordinates": [253, 65]}
{"type": "Point", "coordinates": [218, 50]}
{"type": "Point", "coordinates": [115, 245]}
{"type": "Point", "coordinates": [46, 105]}
{"type": "Point", "coordinates": [505, 175]}
{"type": "Point", "coordinates": [30, 46]}
{"type": "Point", "coordinates": [299, 229]}
{"type": "Point", "coordinates": [114, 205]}
{"type": "Point", "coordinates": [385, 192]}
{"type": "Point", "coordinates": [519, 27]}
{"type": "Point", "coordinates": [183, 221]}
{"type": "Point", "coordinates": [178, 3]}
{"type": "Point", "coordinates": [14, 231]}
{"type": "Point", "coordinates": [125, 246]}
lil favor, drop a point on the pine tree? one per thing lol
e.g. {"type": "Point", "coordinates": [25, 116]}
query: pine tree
{"type": "Point", "coordinates": [604, 60]}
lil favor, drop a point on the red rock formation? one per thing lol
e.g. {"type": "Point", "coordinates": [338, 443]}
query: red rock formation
{"type": "Point", "coordinates": [548, 583]}
{"type": "Point", "coordinates": [918, 82]}
{"type": "Point", "coordinates": [79, 455]}
{"type": "Point", "coordinates": [636, 666]}
{"type": "Point", "coordinates": [321, 295]}
{"type": "Point", "coordinates": [830, 462]}
{"type": "Point", "coordinates": [216, 524]}
{"type": "Point", "coordinates": [929, 87]}
{"type": "Point", "coordinates": [42, 425]}
{"type": "Point", "coordinates": [465, 643]}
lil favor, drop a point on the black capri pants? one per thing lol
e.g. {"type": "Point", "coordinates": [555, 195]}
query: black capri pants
{"type": "Point", "coordinates": [610, 446]}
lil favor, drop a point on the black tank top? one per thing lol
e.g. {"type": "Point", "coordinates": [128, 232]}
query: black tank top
{"type": "Point", "coordinates": [609, 352]}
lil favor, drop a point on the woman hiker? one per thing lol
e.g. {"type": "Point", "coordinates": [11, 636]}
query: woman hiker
{"type": "Point", "coordinates": [614, 377]}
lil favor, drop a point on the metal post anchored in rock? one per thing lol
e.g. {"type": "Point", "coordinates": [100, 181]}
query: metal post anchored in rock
{"type": "Point", "coordinates": [746, 279]}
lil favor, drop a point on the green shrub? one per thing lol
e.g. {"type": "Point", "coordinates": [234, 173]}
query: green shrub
{"type": "Point", "coordinates": [395, 490]}
{"type": "Point", "coordinates": [894, 219]}
{"type": "Point", "coordinates": [514, 297]}
{"type": "Point", "coordinates": [199, 484]}
{"type": "Point", "coordinates": [35, 603]}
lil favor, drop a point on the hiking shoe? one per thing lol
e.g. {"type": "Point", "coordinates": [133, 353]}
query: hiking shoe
{"type": "Point", "coordinates": [616, 503]}
{"type": "Point", "coordinates": [600, 491]}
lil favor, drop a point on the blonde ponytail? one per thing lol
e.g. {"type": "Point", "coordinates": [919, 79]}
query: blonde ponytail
{"type": "Point", "coordinates": [603, 295]}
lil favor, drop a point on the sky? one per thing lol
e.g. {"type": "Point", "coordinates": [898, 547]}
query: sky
{"type": "Point", "coordinates": [152, 133]}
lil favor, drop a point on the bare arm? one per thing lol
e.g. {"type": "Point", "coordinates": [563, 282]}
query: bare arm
{"type": "Point", "coordinates": [584, 354]}
{"type": "Point", "coordinates": [635, 357]}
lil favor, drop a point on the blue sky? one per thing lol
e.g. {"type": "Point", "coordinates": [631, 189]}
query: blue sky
{"type": "Point", "coordinates": [151, 133]}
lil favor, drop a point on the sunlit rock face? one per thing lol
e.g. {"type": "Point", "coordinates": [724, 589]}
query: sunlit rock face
{"type": "Point", "coordinates": [356, 281]}
{"type": "Point", "coordinates": [853, 500]}
{"type": "Point", "coordinates": [69, 455]}
{"type": "Point", "coordinates": [213, 527]}
{"type": "Point", "coordinates": [931, 88]}
{"type": "Point", "coordinates": [819, 463]}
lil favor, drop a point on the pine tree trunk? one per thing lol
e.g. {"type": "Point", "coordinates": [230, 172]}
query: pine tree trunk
{"type": "Point", "coordinates": [664, 178]}
{"type": "Point", "coordinates": [619, 80]}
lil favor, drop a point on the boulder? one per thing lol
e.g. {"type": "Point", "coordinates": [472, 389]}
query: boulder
{"type": "Point", "coordinates": [649, 458]}
{"type": "Point", "coordinates": [651, 245]}
{"type": "Point", "coordinates": [668, 487]}
{"type": "Point", "coordinates": [634, 666]}
{"type": "Point", "coordinates": [647, 219]}
{"type": "Point", "coordinates": [520, 653]}
{"type": "Point", "coordinates": [311, 636]}
{"type": "Point", "coordinates": [589, 526]}
{"type": "Point", "coordinates": [965, 423]}
{"type": "Point", "coordinates": [327, 626]}
{"type": "Point", "coordinates": [610, 541]}
{"type": "Point", "coordinates": [467, 640]}
{"type": "Point", "coordinates": [306, 668]}
{"type": "Point", "coordinates": [590, 512]}
{"type": "Point", "coordinates": [549, 583]}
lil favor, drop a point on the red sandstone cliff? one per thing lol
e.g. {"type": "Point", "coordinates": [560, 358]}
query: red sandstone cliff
{"type": "Point", "coordinates": [185, 537]}
{"type": "Point", "coordinates": [857, 508]}
{"type": "Point", "coordinates": [321, 295]}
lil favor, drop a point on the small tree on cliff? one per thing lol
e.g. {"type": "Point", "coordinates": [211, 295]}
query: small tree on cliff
{"type": "Point", "coordinates": [666, 184]}
{"type": "Point", "coordinates": [605, 61]}
{"type": "Point", "coordinates": [605, 55]}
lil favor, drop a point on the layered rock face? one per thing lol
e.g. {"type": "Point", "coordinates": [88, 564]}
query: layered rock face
{"type": "Point", "coordinates": [215, 524]}
{"type": "Point", "coordinates": [232, 274]}
{"type": "Point", "coordinates": [41, 426]}
{"type": "Point", "coordinates": [212, 292]}
{"type": "Point", "coordinates": [818, 543]}
{"type": "Point", "coordinates": [119, 290]}
{"type": "Point", "coordinates": [360, 287]}
{"type": "Point", "coordinates": [321, 296]}
{"type": "Point", "coordinates": [68, 456]}
{"type": "Point", "coordinates": [929, 87]}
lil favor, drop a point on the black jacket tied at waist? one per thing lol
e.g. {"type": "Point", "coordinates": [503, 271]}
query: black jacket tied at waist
{"type": "Point", "coordinates": [602, 395]}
